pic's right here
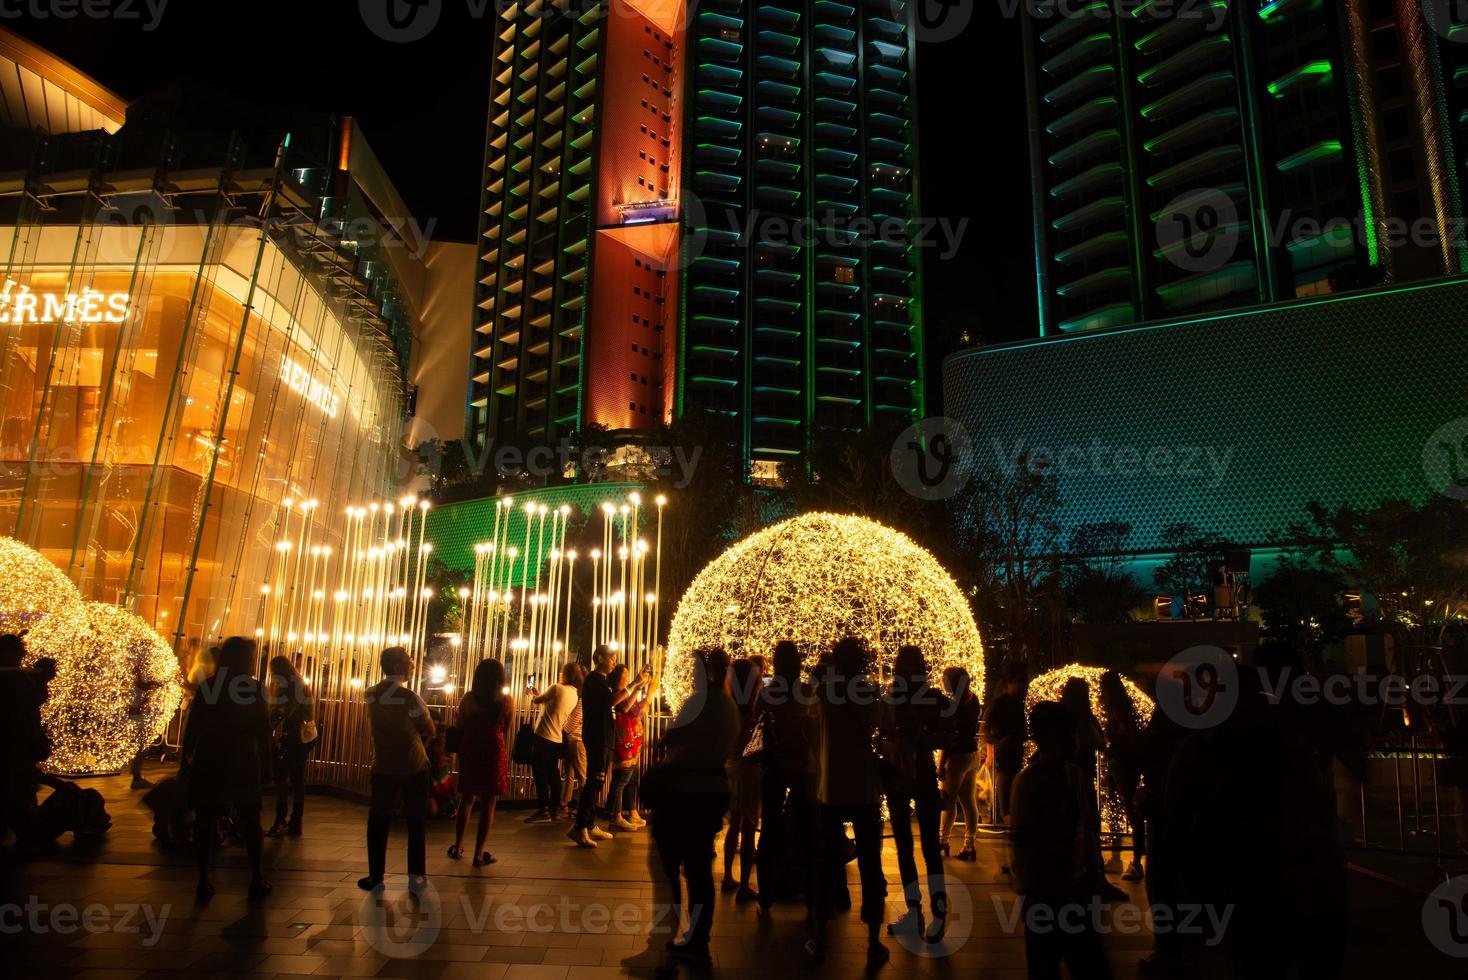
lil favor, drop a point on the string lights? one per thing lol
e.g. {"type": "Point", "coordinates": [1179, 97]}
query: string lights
{"type": "Point", "coordinates": [31, 587]}
{"type": "Point", "coordinates": [815, 579]}
{"type": "Point", "coordinates": [115, 689]}
{"type": "Point", "coordinates": [1048, 687]}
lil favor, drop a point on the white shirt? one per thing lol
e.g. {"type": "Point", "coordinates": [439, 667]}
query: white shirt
{"type": "Point", "coordinates": [553, 713]}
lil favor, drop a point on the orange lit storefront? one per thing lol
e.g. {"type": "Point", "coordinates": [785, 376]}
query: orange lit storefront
{"type": "Point", "coordinates": [170, 390]}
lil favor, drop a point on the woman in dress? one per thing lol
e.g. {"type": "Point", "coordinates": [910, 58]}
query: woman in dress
{"type": "Point", "coordinates": [484, 772]}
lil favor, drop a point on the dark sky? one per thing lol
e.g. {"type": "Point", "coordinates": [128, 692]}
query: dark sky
{"type": "Point", "coordinates": [422, 107]}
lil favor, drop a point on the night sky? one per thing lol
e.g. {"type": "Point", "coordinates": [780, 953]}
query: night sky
{"type": "Point", "coordinates": [422, 107]}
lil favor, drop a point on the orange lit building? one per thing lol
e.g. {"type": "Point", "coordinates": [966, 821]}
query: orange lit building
{"type": "Point", "coordinates": [673, 216]}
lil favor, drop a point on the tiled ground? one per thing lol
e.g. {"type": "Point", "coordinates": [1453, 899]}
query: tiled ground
{"type": "Point", "coordinates": [547, 910]}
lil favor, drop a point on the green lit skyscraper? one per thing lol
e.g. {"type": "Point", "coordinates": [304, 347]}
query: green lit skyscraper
{"type": "Point", "coordinates": [700, 206]}
{"type": "Point", "coordinates": [1197, 157]}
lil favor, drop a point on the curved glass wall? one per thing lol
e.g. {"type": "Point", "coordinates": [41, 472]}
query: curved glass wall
{"type": "Point", "coordinates": [167, 390]}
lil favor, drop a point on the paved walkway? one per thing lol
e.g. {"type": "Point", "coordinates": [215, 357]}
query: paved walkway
{"type": "Point", "coordinates": [546, 910]}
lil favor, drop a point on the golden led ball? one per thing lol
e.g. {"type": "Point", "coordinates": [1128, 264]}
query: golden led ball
{"type": "Point", "coordinates": [1047, 687]}
{"type": "Point", "coordinates": [116, 686]}
{"type": "Point", "coordinates": [815, 579]}
{"type": "Point", "coordinates": [31, 587]}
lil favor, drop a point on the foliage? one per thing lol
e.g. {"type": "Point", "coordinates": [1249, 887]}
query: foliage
{"type": "Point", "coordinates": [1303, 604]}
{"type": "Point", "coordinates": [1412, 560]}
{"type": "Point", "coordinates": [1007, 524]}
{"type": "Point", "coordinates": [852, 474]}
{"type": "Point", "coordinates": [1196, 556]}
{"type": "Point", "coordinates": [1098, 588]}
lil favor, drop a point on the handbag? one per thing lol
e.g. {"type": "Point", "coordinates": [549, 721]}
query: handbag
{"type": "Point", "coordinates": [308, 732]}
{"type": "Point", "coordinates": [524, 749]}
{"type": "Point", "coordinates": [754, 747]}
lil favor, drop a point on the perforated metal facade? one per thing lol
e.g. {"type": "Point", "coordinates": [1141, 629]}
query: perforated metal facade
{"type": "Point", "coordinates": [1231, 423]}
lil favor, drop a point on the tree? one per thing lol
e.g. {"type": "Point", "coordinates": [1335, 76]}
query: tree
{"type": "Point", "coordinates": [1196, 557]}
{"type": "Point", "coordinates": [1098, 588]}
{"type": "Point", "coordinates": [852, 474]}
{"type": "Point", "coordinates": [1303, 605]}
{"type": "Point", "coordinates": [444, 463]}
{"type": "Point", "coordinates": [1007, 524]}
{"type": "Point", "coordinates": [1412, 560]}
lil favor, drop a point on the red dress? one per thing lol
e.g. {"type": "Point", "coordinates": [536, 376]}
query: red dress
{"type": "Point", "coordinates": [483, 763]}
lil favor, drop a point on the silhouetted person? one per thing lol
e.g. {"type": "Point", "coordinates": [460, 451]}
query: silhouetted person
{"type": "Point", "coordinates": [689, 808]}
{"type": "Point", "coordinates": [599, 730]}
{"type": "Point", "coordinates": [26, 742]}
{"type": "Point", "coordinates": [1124, 731]}
{"type": "Point", "coordinates": [226, 760]}
{"type": "Point", "coordinates": [1075, 695]}
{"type": "Point", "coordinates": [401, 729]}
{"type": "Point", "coordinates": [1259, 789]}
{"type": "Point", "coordinates": [1052, 821]}
{"type": "Point", "coordinates": [745, 777]}
{"type": "Point", "coordinates": [293, 717]}
{"type": "Point", "coordinates": [850, 791]}
{"type": "Point", "coordinates": [786, 854]}
{"type": "Point", "coordinates": [913, 734]}
{"type": "Point", "coordinates": [959, 764]}
{"type": "Point", "coordinates": [1159, 743]}
{"type": "Point", "coordinates": [484, 765]}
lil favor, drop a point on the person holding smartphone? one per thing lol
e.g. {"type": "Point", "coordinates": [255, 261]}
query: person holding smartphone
{"type": "Point", "coordinates": [556, 705]}
{"type": "Point", "coordinates": [629, 702]}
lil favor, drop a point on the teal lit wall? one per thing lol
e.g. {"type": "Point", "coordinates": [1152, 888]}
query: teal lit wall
{"type": "Point", "coordinates": [1334, 400]}
{"type": "Point", "coordinates": [456, 528]}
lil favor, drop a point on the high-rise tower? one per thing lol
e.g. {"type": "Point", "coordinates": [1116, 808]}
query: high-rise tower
{"type": "Point", "coordinates": [708, 205]}
{"type": "Point", "coordinates": [1195, 157]}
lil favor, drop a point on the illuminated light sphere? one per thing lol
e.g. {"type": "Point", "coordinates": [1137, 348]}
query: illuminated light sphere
{"type": "Point", "coordinates": [31, 587]}
{"type": "Point", "coordinates": [815, 579]}
{"type": "Point", "coordinates": [1047, 687]}
{"type": "Point", "coordinates": [115, 689]}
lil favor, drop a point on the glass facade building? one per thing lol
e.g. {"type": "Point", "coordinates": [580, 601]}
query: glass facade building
{"type": "Point", "coordinates": [699, 206]}
{"type": "Point", "coordinates": [197, 335]}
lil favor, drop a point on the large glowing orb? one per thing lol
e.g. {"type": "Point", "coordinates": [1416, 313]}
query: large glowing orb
{"type": "Point", "coordinates": [31, 587]}
{"type": "Point", "coordinates": [1047, 687]}
{"type": "Point", "coordinates": [815, 579]}
{"type": "Point", "coordinates": [116, 686]}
